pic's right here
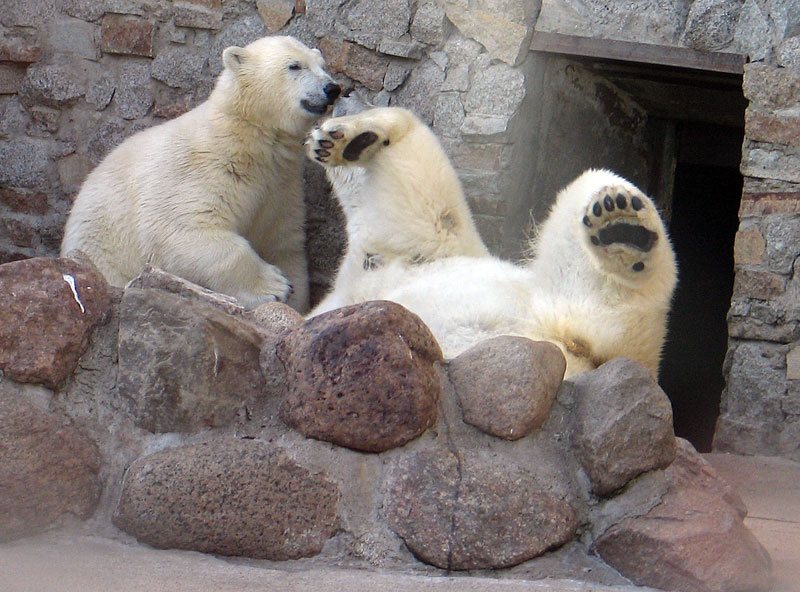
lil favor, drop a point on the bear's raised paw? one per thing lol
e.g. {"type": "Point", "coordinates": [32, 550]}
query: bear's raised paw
{"type": "Point", "coordinates": [343, 140]}
{"type": "Point", "coordinates": [622, 227]}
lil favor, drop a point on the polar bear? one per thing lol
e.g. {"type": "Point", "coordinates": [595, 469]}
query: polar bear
{"type": "Point", "coordinates": [393, 213]}
{"type": "Point", "coordinates": [215, 195]}
{"type": "Point", "coordinates": [598, 284]}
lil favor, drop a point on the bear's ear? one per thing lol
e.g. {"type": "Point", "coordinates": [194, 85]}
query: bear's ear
{"type": "Point", "coordinates": [233, 57]}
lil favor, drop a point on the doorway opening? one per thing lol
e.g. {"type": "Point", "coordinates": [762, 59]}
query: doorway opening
{"type": "Point", "coordinates": [706, 195]}
{"type": "Point", "coordinates": [680, 114]}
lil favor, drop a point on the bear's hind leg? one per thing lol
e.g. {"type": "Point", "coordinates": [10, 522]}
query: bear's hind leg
{"type": "Point", "coordinates": [623, 230]}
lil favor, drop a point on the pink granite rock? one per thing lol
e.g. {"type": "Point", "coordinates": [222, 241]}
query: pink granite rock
{"type": "Point", "coordinates": [231, 497]}
{"type": "Point", "coordinates": [507, 385]}
{"type": "Point", "coordinates": [464, 510]}
{"type": "Point", "coordinates": [622, 424]}
{"type": "Point", "coordinates": [362, 376]}
{"type": "Point", "coordinates": [49, 309]}
{"type": "Point", "coordinates": [48, 470]}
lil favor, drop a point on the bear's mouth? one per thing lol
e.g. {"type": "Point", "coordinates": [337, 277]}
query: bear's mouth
{"type": "Point", "coordinates": [315, 108]}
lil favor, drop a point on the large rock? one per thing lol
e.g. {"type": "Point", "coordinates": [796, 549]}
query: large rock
{"type": "Point", "coordinates": [54, 85]}
{"type": "Point", "coordinates": [49, 309]}
{"type": "Point", "coordinates": [503, 28]}
{"type": "Point", "coordinates": [693, 541]}
{"type": "Point", "coordinates": [689, 469]}
{"type": "Point", "coordinates": [771, 87]}
{"type": "Point", "coordinates": [507, 385]}
{"type": "Point", "coordinates": [362, 376]}
{"type": "Point", "coordinates": [48, 470]}
{"type": "Point", "coordinates": [622, 424]}
{"type": "Point", "coordinates": [751, 410]}
{"type": "Point", "coordinates": [231, 497]}
{"type": "Point", "coordinates": [184, 365]}
{"type": "Point", "coordinates": [153, 278]}
{"type": "Point", "coordinates": [464, 510]}
{"type": "Point", "coordinates": [711, 24]}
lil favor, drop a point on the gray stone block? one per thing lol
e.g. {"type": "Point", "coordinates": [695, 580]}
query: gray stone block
{"type": "Point", "coordinates": [179, 67]}
{"type": "Point", "coordinates": [428, 24]}
{"type": "Point", "coordinates": [75, 36]}
{"type": "Point", "coordinates": [54, 85]}
{"type": "Point", "coordinates": [134, 91]}
{"type": "Point", "coordinates": [622, 424]}
{"type": "Point", "coordinates": [23, 162]}
{"type": "Point", "coordinates": [206, 382]}
{"type": "Point", "coordinates": [496, 90]}
{"type": "Point", "coordinates": [386, 19]}
{"type": "Point", "coordinates": [711, 24]}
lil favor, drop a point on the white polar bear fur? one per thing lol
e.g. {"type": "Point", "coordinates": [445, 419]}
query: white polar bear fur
{"type": "Point", "coordinates": [396, 209]}
{"type": "Point", "coordinates": [586, 300]}
{"type": "Point", "coordinates": [215, 195]}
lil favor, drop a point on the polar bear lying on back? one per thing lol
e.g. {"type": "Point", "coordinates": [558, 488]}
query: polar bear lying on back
{"type": "Point", "coordinates": [215, 196]}
{"type": "Point", "coordinates": [599, 284]}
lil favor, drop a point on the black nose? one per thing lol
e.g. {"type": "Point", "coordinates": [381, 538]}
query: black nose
{"type": "Point", "coordinates": [332, 91]}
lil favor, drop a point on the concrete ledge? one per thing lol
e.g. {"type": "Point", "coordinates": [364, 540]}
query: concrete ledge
{"type": "Point", "coordinates": [76, 562]}
{"type": "Point", "coordinates": [770, 488]}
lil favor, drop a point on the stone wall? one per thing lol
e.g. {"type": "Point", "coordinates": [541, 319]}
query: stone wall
{"type": "Point", "coordinates": [78, 76]}
{"type": "Point", "coordinates": [170, 413]}
{"type": "Point", "coordinates": [761, 404]}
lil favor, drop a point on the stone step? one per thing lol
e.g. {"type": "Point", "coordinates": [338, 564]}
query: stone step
{"type": "Point", "coordinates": [71, 561]}
{"type": "Point", "coordinates": [77, 561]}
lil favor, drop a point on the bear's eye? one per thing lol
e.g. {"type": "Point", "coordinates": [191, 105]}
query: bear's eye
{"type": "Point", "coordinates": [294, 66]}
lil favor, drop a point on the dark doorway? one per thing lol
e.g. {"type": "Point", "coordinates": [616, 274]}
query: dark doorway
{"type": "Point", "coordinates": [686, 155]}
{"type": "Point", "coordinates": [705, 204]}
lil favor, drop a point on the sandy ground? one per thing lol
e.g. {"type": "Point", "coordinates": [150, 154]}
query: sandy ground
{"type": "Point", "coordinates": [770, 487]}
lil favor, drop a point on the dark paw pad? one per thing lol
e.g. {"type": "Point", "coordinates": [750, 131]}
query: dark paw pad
{"type": "Point", "coordinates": [629, 234]}
{"type": "Point", "coordinates": [358, 144]}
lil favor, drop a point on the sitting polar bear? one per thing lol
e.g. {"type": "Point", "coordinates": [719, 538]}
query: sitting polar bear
{"type": "Point", "coordinates": [598, 285]}
{"type": "Point", "coordinates": [215, 196]}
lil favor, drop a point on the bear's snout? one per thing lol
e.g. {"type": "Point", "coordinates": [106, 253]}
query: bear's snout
{"type": "Point", "coordinates": [332, 91]}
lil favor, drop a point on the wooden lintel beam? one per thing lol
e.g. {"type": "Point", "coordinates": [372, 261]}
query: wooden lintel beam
{"type": "Point", "coordinates": [644, 53]}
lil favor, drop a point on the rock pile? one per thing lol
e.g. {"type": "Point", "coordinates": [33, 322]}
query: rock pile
{"type": "Point", "coordinates": [190, 423]}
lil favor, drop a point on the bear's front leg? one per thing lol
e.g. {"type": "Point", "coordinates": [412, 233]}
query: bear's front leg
{"type": "Point", "coordinates": [355, 139]}
{"type": "Point", "coordinates": [225, 262]}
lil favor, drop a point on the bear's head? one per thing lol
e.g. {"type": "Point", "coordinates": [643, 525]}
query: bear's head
{"type": "Point", "coordinates": [277, 81]}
